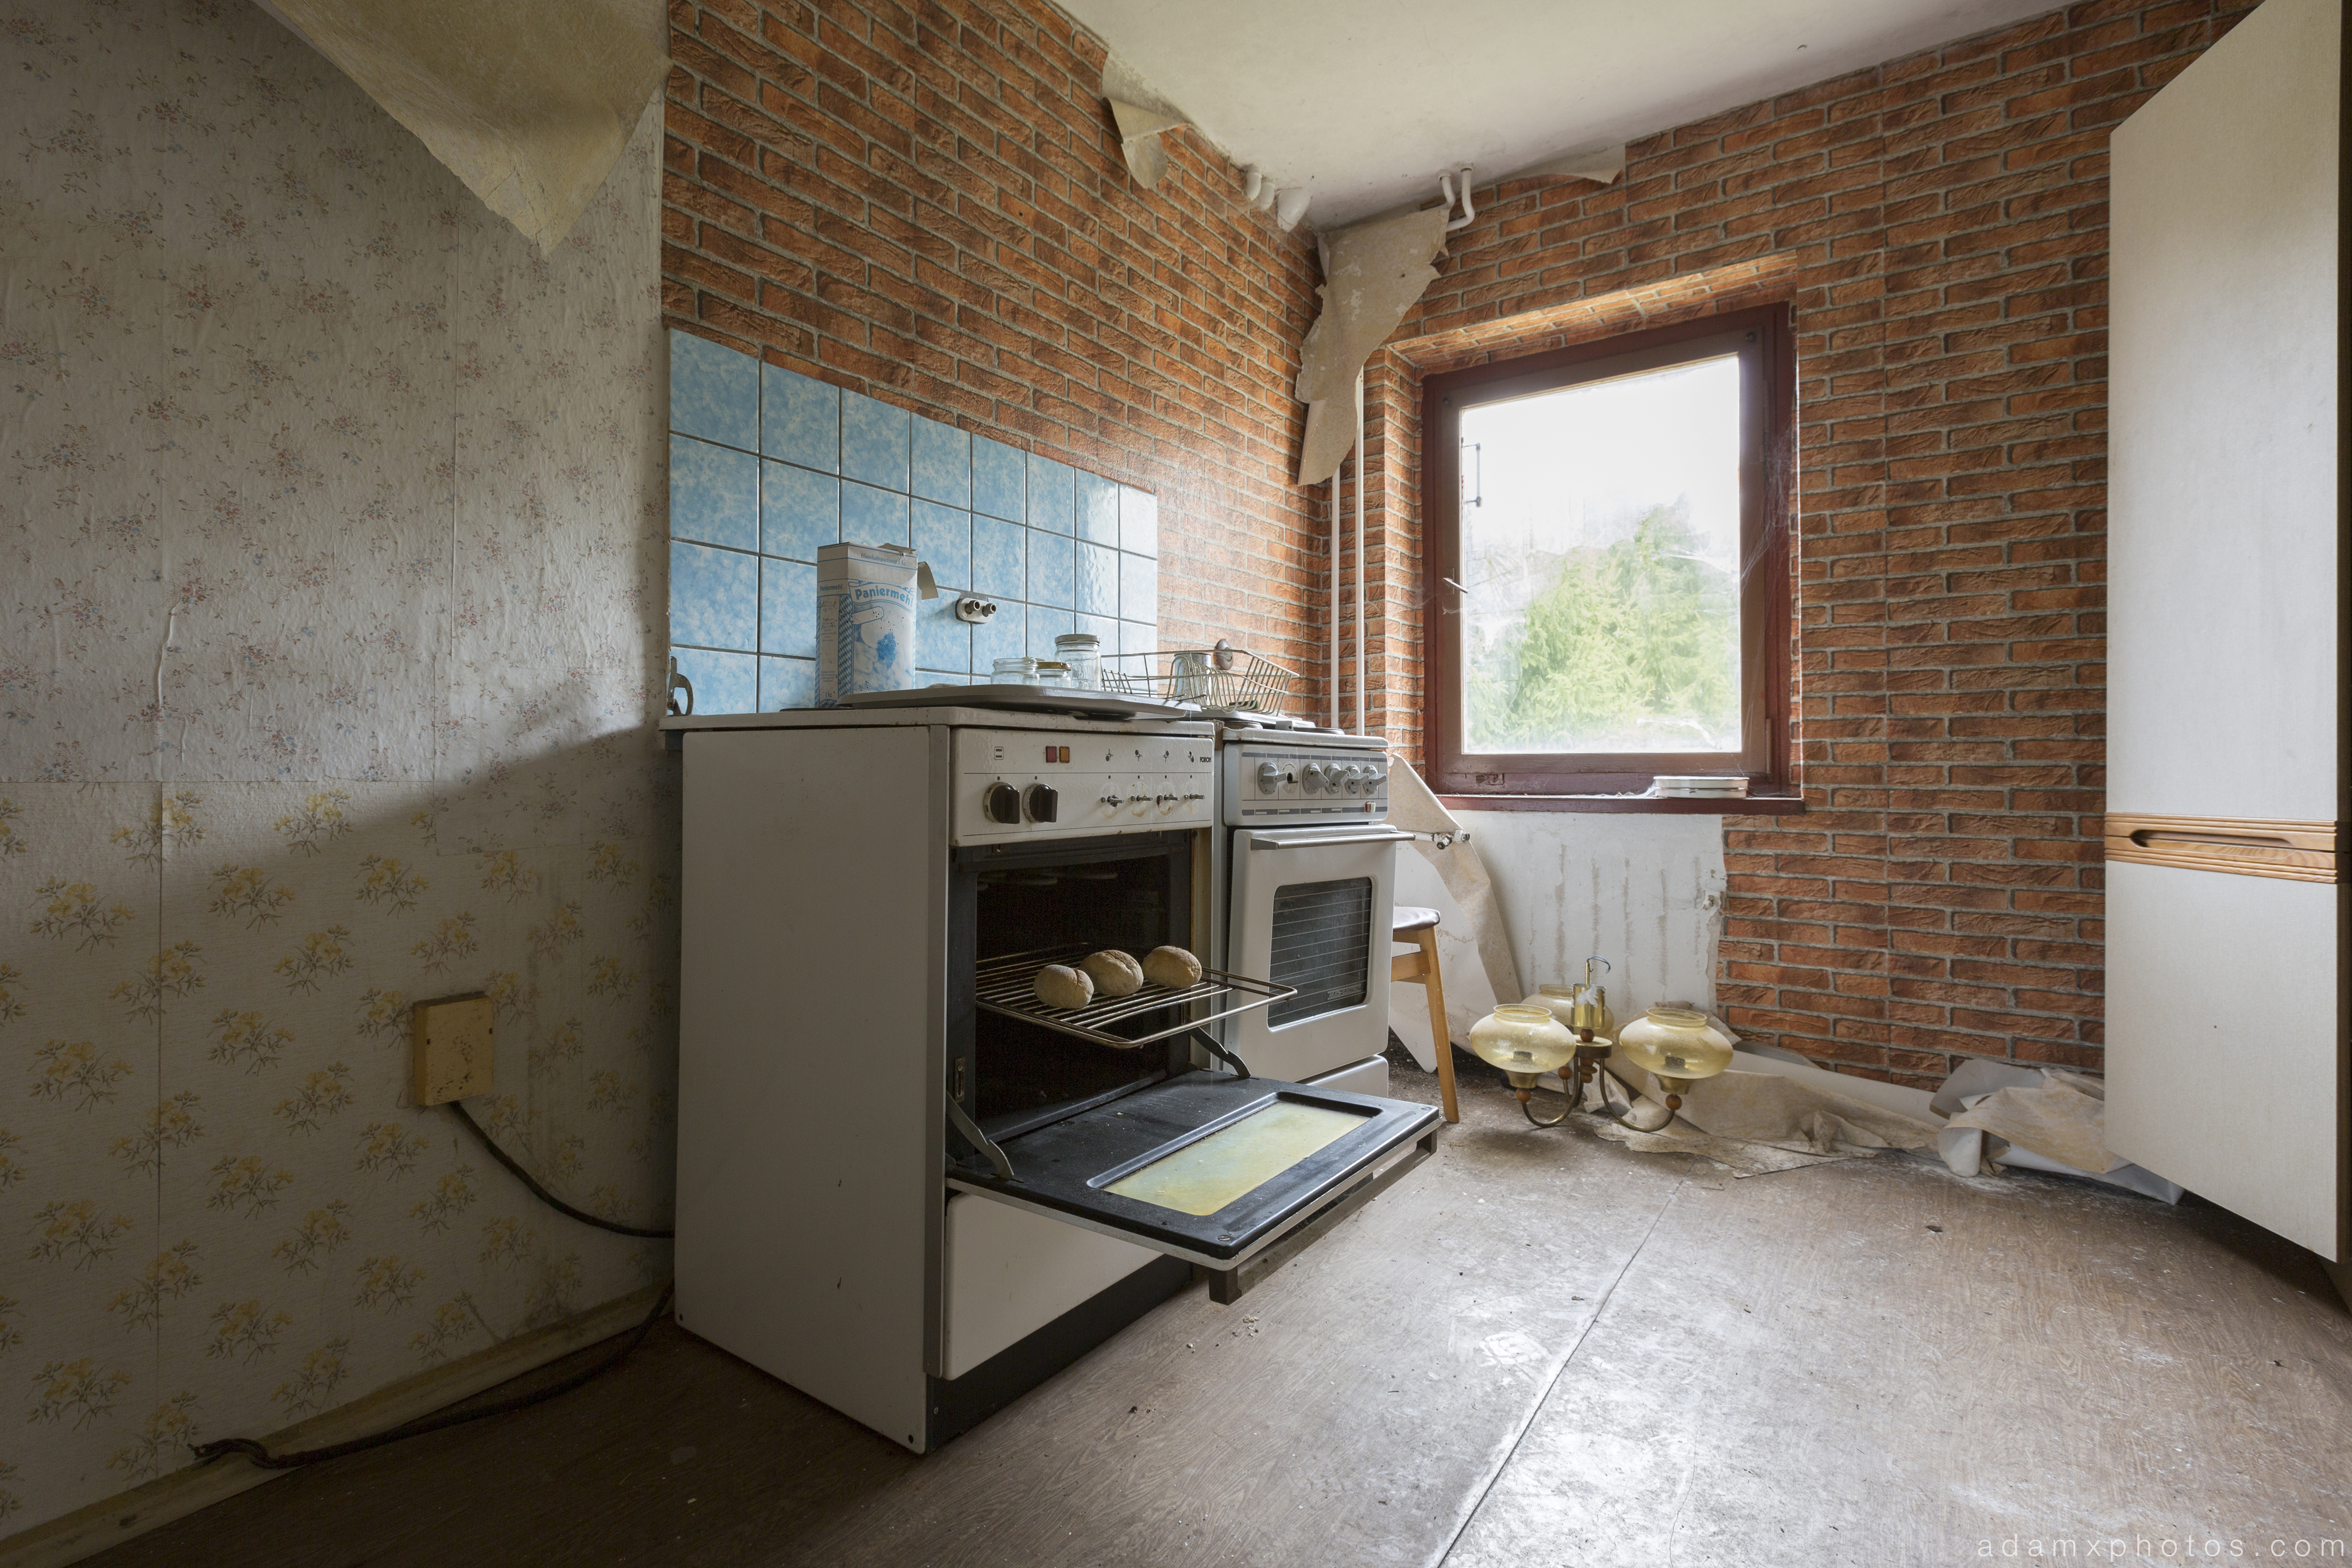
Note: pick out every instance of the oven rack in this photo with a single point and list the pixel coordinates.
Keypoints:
(1004, 986)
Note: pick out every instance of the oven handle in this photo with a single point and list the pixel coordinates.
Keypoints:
(1314, 838)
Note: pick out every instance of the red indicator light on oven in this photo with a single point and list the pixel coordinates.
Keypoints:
(1049, 754)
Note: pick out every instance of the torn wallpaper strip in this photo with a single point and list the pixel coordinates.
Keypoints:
(529, 103)
(1372, 274)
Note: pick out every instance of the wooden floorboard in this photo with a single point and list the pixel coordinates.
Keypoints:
(1790, 1367)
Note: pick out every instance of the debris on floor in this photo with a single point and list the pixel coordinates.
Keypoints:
(1986, 1116)
(2036, 1119)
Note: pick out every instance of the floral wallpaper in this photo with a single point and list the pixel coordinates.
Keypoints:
(330, 639)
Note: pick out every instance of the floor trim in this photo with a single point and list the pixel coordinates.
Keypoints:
(71, 1537)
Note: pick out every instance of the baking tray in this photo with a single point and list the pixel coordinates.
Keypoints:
(1023, 700)
(1003, 987)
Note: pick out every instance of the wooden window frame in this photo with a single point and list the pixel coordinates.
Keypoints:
(1763, 339)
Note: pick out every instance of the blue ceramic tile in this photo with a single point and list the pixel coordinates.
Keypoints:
(1139, 588)
(714, 597)
(943, 538)
(798, 511)
(998, 567)
(714, 391)
(1097, 585)
(1138, 520)
(1045, 625)
(788, 609)
(1049, 569)
(1000, 480)
(787, 683)
(872, 517)
(1002, 636)
(1049, 494)
(1105, 629)
(1097, 508)
(874, 437)
(1138, 637)
(942, 642)
(942, 462)
(723, 683)
(714, 494)
(799, 418)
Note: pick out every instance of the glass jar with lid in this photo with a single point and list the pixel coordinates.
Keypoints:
(1082, 652)
(1053, 672)
(1017, 669)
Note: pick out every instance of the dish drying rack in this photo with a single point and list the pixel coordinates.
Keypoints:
(1223, 679)
(1005, 986)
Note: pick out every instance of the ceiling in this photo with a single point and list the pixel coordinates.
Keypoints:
(1362, 102)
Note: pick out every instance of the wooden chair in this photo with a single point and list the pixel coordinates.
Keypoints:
(1418, 927)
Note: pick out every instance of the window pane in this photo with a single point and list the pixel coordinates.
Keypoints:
(1601, 553)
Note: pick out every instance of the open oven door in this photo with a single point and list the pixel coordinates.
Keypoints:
(1234, 1174)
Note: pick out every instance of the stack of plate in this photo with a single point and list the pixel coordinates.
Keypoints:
(1697, 787)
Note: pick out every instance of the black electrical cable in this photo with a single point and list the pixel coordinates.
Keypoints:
(454, 1416)
(458, 1413)
(545, 1196)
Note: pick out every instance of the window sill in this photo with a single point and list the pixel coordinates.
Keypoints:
(1744, 806)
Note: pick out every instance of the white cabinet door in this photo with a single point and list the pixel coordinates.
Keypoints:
(2223, 667)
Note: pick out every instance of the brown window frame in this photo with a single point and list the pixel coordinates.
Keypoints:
(1763, 339)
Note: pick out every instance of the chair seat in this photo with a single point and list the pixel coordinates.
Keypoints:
(1409, 919)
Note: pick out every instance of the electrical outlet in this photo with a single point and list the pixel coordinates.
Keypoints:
(453, 1048)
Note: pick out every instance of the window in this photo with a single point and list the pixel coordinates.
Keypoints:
(1608, 528)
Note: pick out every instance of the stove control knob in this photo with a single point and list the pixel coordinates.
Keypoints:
(1044, 802)
(1373, 779)
(1355, 780)
(1003, 804)
(1316, 778)
(1271, 778)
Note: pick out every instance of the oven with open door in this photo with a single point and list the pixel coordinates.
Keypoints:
(906, 1186)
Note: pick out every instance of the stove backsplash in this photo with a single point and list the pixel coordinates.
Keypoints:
(765, 464)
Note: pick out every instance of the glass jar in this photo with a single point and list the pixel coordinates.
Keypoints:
(1082, 651)
(1676, 1044)
(1526, 1042)
(1020, 670)
(1053, 672)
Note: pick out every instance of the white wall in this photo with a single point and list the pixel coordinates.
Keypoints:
(1643, 891)
(330, 643)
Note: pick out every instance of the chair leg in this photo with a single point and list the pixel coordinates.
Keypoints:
(1430, 983)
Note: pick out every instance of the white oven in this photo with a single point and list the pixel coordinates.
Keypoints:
(1310, 878)
(906, 1184)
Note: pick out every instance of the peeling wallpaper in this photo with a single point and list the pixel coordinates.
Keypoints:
(331, 638)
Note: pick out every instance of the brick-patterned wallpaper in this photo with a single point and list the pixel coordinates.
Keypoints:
(1939, 223)
(926, 204)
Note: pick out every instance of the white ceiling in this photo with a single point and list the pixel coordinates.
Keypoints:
(1361, 102)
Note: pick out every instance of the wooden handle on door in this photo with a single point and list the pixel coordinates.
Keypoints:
(2245, 846)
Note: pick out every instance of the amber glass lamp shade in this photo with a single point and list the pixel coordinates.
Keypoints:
(1524, 1042)
(1676, 1044)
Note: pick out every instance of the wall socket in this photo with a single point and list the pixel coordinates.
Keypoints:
(453, 1047)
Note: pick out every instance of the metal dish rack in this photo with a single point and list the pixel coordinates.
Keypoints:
(1006, 987)
(1223, 679)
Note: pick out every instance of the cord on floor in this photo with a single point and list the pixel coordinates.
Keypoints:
(453, 1415)
(457, 1414)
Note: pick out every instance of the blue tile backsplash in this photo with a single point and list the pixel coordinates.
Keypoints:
(767, 464)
